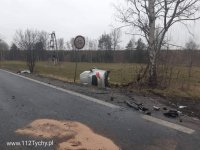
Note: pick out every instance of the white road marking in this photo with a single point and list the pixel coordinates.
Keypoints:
(149, 118)
(169, 124)
(66, 91)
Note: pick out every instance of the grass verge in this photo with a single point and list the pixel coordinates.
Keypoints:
(121, 74)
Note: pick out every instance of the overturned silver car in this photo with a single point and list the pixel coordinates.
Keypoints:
(95, 77)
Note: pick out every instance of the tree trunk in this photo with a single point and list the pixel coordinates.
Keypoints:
(31, 60)
(152, 49)
(152, 74)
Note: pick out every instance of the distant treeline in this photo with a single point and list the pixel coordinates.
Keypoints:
(106, 56)
(100, 56)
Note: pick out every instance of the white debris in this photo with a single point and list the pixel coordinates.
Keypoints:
(181, 107)
(24, 72)
(156, 108)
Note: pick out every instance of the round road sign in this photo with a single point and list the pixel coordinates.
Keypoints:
(79, 42)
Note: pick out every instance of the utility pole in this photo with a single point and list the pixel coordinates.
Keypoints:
(54, 47)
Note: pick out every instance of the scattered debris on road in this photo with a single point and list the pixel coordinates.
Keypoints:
(172, 114)
(182, 107)
(139, 107)
(164, 108)
(111, 98)
(109, 114)
(148, 113)
(121, 96)
(156, 108)
(131, 105)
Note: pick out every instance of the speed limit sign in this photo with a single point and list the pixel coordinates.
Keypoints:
(79, 42)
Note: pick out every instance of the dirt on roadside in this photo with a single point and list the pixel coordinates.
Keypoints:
(120, 95)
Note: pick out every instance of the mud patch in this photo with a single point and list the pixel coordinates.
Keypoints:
(68, 135)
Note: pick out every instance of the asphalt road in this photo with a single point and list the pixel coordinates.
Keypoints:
(23, 101)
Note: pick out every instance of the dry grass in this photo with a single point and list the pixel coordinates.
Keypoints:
(120, 73)
(180, 85)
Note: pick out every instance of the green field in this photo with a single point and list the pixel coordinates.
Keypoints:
(180, 84)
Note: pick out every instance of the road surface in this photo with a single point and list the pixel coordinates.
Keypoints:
(22, 101)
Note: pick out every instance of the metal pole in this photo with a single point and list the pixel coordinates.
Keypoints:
(76, 61)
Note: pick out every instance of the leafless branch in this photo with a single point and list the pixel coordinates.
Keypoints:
(154, 18)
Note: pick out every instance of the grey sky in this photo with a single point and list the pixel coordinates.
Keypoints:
(69, 18)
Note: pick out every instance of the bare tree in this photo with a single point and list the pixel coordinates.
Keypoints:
(61, 44)
(27, 40)
(105, 42)
(93, 45)
(44, 38)
(131, 44)
(3, 47)
(72, 44)
(90, 44)
(68, 45)
(153, 19)
(115, 35)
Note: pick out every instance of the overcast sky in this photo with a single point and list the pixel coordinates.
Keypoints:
(69, 18)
